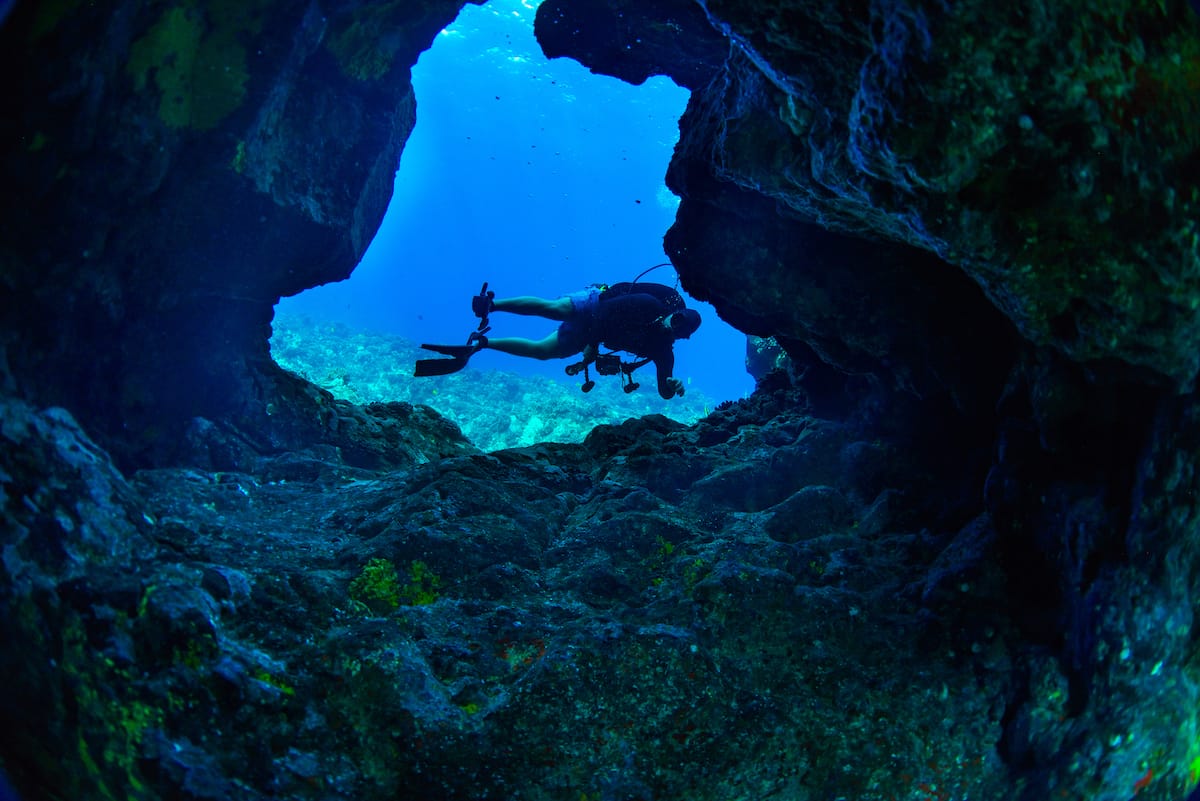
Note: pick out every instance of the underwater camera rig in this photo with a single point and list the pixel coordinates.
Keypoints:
(608, 364)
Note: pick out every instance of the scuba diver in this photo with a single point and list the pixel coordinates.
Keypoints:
(641, 318)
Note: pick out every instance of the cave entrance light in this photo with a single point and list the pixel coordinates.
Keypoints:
(533, 175)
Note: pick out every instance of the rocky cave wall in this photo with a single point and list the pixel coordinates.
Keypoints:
(1051, 159)
(909, 197)
(171, 171)
(992, 208)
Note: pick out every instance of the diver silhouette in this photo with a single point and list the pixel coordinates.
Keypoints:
(644, 319)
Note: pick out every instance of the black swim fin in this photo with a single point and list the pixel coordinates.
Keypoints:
(457, 351)
(428, 367)
(459, 355)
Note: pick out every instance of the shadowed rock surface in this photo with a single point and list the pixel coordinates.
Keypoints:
(947, 550)
(172, 170)
(645, 615)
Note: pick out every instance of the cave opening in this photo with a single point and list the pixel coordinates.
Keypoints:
(540, 178)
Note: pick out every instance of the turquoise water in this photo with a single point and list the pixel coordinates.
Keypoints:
(534, 175)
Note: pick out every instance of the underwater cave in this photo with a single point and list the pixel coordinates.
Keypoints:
(531, 174)
(945, 549)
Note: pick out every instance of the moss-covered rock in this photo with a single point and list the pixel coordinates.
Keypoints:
(195, 56)
(223, 117)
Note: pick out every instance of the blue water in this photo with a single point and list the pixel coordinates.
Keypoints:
(534, 175)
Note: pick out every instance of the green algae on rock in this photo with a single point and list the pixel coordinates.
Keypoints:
(195, 54)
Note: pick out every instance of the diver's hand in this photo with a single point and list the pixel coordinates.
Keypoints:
(676, 386)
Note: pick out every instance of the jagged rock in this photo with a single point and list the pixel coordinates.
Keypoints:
(172, 170)
(811, 511)
(634, 41)
(1031, 153)
(75, 542)
(567, 617)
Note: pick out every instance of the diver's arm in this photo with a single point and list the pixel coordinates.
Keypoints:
(668, 387)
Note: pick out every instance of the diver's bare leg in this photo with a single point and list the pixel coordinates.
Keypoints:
(558, 309)
(533, 348)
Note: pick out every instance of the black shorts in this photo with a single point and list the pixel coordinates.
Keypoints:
(579, 329)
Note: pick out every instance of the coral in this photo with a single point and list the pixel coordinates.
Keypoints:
(495, 409)
(423, 585)
(112, 723)
(274, 681)
(377, 586)
(764, 355)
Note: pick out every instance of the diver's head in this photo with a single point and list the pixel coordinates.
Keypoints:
(684, 323)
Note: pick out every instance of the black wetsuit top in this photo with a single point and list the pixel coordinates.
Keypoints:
(631, 319)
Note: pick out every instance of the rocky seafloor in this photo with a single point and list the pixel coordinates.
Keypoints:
(733, 609)
(764, 604)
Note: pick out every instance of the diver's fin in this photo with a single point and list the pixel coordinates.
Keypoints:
(459, 354)
(428, 367)
(457, 351)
